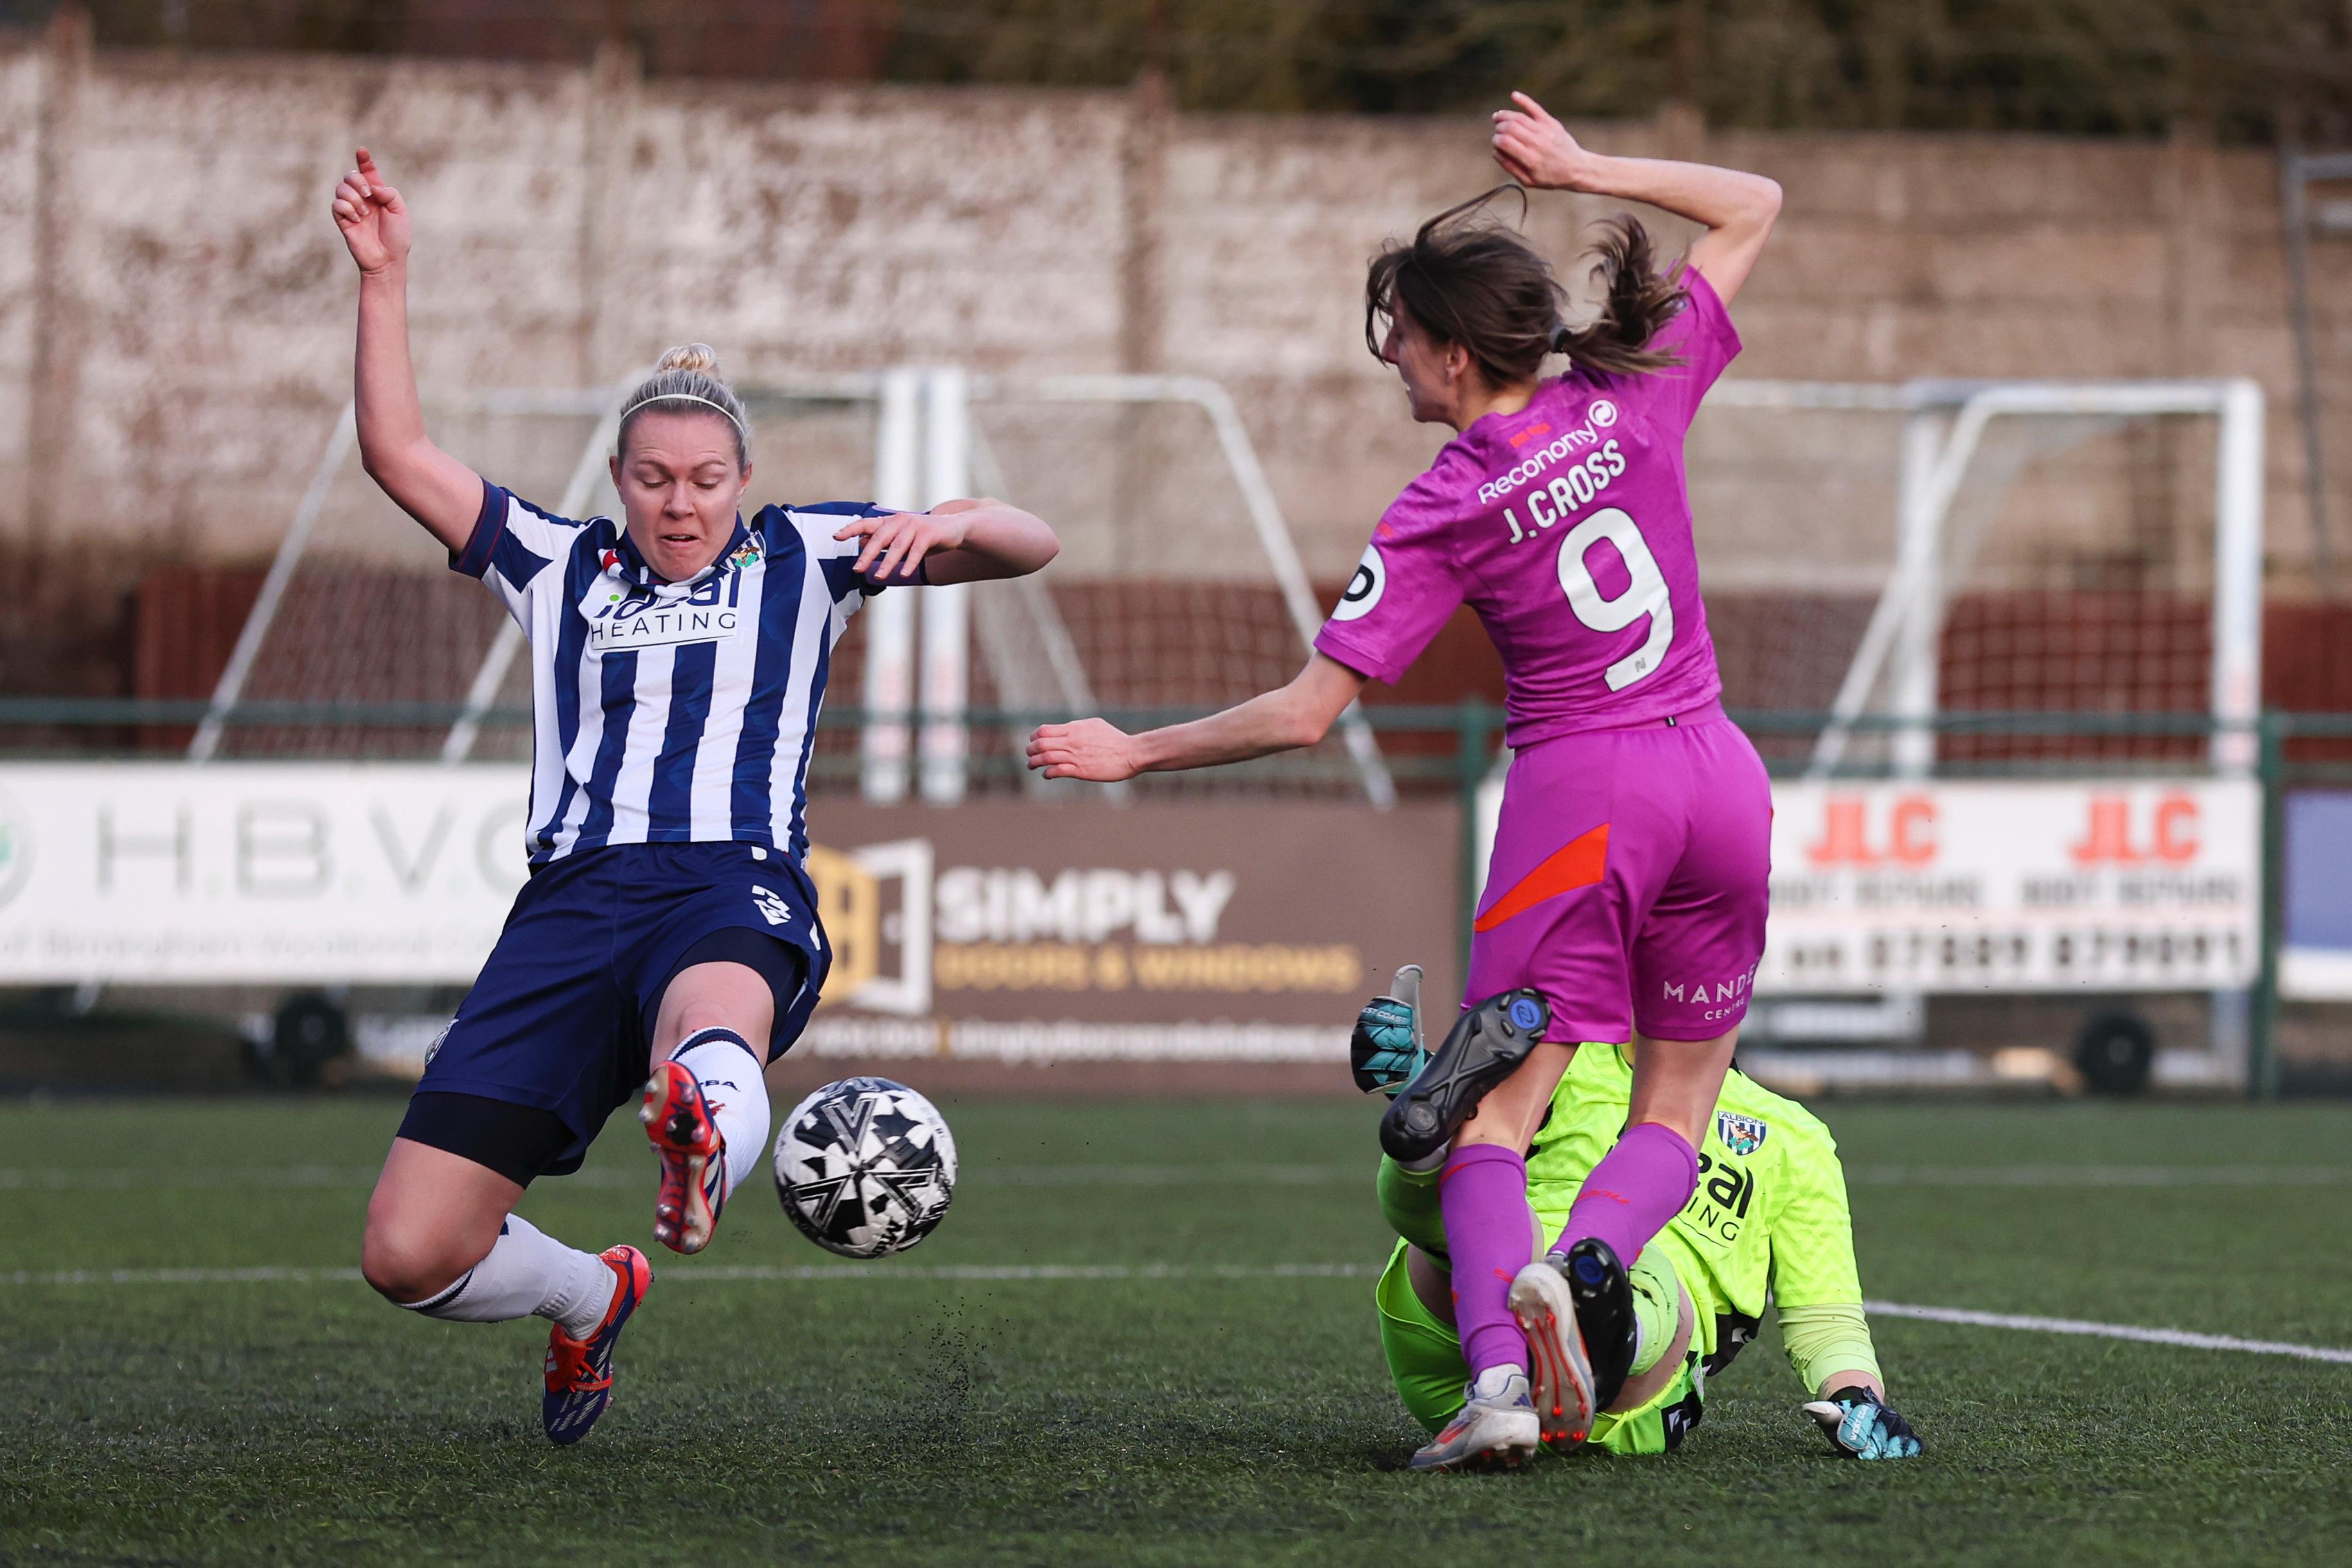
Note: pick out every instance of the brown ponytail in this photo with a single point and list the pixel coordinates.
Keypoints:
(1469, 280)
(1636, 300)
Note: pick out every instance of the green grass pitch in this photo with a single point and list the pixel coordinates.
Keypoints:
(1177, 1417)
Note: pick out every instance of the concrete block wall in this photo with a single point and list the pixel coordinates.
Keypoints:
(176, 306)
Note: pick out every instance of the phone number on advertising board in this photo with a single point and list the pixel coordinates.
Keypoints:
(1994, 955)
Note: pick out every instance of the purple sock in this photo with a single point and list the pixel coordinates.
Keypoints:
(1638, 1186)
(1483, 1197)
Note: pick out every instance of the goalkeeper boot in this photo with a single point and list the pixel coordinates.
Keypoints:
(1605, 1314)
(682, 1125)
(1562, 1389)
(580, 1371)
(1488, 1043)
(1495, 1430)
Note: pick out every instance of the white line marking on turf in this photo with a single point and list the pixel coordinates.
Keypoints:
(817, 1273)
(2181, 1337)
(877, 1273)
(2100, 1175)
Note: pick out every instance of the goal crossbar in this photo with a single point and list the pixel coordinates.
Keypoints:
(1946, 423)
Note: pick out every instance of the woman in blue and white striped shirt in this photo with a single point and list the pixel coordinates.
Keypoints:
(677, 663)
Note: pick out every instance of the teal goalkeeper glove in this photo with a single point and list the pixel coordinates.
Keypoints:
(1861, 1423)
(1385, 1050)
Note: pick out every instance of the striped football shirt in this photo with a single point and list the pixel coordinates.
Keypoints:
(670, 712)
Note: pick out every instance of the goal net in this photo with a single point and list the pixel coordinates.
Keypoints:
(2000, 643)
(357, 620)
(1883, 557)
(1178, 590)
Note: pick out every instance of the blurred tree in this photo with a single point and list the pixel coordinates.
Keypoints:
(2250, 70)
(790, 40)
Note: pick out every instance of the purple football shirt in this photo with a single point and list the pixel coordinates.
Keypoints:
(1567, 527)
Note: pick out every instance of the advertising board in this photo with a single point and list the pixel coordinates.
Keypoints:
(1018, 932)
(2042, 886)
(1002, 931)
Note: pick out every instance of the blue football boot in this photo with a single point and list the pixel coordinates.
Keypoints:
(580, 1371)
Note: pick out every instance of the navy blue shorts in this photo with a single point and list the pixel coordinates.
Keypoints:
(560, 1020)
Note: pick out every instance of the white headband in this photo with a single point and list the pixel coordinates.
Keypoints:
(685, 397)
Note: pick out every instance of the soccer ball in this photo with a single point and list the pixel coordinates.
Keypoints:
(866, 1168)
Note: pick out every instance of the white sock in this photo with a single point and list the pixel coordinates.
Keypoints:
(528, 1273)
(1496, 1381)
(728, 1070)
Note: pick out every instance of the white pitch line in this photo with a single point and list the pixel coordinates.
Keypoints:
(2100, 1175)
(812, 1272)
(2180, 1337)
(816, 1273)
(1036, 1272)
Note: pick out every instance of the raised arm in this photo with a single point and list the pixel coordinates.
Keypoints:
(1737, 209)
(1296, 716)
(962, 541)
(424, 481)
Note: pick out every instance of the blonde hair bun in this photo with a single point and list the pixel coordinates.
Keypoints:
(686, 380)
(699, 357)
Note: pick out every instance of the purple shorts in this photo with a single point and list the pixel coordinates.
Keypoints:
(1629, 880)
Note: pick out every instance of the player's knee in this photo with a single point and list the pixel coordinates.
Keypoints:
(406, 1264)
(731, 997)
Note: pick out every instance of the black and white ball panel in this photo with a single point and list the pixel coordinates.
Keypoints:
(866, 1166)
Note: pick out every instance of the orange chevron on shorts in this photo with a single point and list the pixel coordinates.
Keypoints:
(1576, 863)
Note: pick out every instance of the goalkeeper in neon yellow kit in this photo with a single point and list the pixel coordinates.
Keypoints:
(1768, 1222)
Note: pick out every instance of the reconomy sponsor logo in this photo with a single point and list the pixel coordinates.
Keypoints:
(1599, 416)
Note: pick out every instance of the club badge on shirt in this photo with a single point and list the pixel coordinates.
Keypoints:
(1740, 1135)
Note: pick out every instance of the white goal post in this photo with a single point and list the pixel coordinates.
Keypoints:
(1938, 483)
(926, 444)
(1945, 423)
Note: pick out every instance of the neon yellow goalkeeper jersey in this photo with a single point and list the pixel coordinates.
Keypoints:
(1770, 1216)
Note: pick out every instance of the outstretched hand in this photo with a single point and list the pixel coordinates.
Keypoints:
(1536, 150)
(1859, 1422)
(1084, 748)
(897, 541)
(372, 217)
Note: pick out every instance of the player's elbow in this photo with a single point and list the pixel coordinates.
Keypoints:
(1303, 725)
(1037, 541)
(1764, 203)
(395, 466)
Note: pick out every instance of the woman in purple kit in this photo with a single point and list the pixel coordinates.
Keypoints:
(1625, 898)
